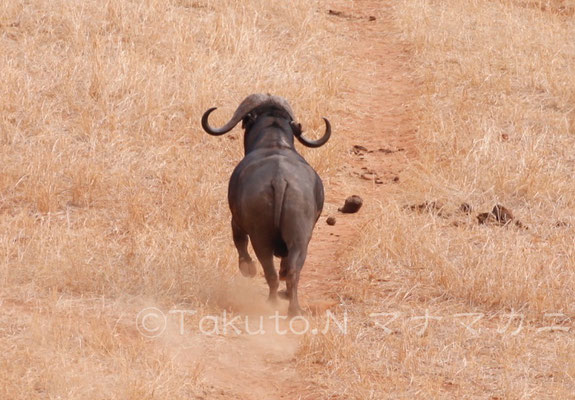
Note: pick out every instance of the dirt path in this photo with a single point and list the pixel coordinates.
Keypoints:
(382, 136)
(263, 366)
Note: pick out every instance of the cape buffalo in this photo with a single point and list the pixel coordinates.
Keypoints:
(274, 195)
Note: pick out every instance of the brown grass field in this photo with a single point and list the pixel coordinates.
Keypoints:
(113, 199)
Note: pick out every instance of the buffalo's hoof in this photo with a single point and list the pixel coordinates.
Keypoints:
(248, 268)
(294, 312)
(273, 300)
(283, 294)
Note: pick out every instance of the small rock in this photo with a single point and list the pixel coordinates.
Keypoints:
(372, 18)
(339, 14)
(330, 221)
(395, 179)
(386, 151)
(352, 205)
(392, 150)
(357, 149)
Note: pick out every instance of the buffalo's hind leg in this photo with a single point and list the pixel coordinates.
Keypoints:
(246, 264)
(284, 268)
(266, 258)
(271, 278)
(292, 265)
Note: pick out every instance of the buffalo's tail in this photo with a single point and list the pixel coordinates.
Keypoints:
(279, 187)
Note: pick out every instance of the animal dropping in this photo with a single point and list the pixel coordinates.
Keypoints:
(274, 195)
(501, 216)
(352, 205)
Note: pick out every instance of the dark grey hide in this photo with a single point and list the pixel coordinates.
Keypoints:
(275, 196)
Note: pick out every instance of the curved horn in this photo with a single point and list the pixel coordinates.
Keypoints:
(249, 104)
(217, 131)
(314, 143)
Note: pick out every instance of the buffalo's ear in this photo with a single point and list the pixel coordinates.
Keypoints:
(296, 127)
(248, 120)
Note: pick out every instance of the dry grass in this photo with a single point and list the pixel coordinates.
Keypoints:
(106, 173)
(111, 195)
(496, 125)
(112, 199)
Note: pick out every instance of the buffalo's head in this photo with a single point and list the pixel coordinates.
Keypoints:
(247, 111)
